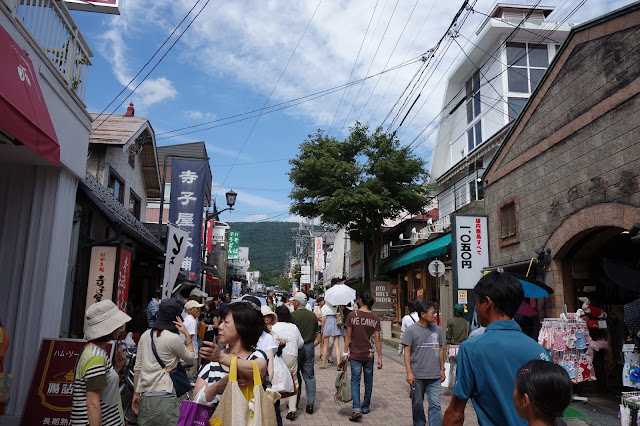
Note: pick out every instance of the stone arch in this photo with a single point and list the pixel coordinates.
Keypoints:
(604, 215)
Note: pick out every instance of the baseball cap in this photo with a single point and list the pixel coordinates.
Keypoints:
(192, 304)
(300, 297)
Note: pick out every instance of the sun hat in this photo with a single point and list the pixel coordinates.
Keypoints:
(168, 310)
(300, 297)
(266, 310)
(192, 304)
(103, 318)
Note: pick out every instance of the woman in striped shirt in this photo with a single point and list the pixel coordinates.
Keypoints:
(240, 328)
(96, 396)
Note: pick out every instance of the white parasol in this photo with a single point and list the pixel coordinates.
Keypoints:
(340, 294)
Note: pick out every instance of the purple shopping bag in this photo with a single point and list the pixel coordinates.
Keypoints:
(194, 414)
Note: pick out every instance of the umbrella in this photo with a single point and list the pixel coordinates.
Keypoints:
(263, 300)
(340, 294)
(526, 310)
(622, 273)
(533, 289)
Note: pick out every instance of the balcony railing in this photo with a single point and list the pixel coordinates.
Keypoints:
(53, 29)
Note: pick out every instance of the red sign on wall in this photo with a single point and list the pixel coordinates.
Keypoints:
(51, 393)
(124, 274)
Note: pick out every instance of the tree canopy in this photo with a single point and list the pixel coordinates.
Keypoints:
(358, 183)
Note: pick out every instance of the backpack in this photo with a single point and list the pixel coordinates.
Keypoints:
(343, 385)
(340, 317)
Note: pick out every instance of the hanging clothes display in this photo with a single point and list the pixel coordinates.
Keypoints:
(568, 342)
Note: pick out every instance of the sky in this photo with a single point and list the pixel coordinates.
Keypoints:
(243, 56)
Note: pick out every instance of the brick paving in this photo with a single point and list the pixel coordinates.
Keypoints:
(390, 403)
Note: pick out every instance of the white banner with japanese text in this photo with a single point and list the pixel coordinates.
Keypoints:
(176, 250)
(102, 270)
(471, 253)
(318, 255)
(185, 209)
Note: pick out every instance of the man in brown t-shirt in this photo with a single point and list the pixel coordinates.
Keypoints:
(361, 325)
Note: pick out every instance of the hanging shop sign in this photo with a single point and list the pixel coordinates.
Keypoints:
(185, 208)
(50, 396)
(463, 298)
(176, 250)
(470, 249)
(102, 269)
(96, 6)
(318, 255)
(305, 279)
(124, 275)
(233, 251)
(305, 269)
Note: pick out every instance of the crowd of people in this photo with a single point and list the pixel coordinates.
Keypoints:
(507, 375)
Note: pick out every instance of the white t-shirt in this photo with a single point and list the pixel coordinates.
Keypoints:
(289, 332)
(409, 320)
(191, 325)
(329, 309)
(266, 342)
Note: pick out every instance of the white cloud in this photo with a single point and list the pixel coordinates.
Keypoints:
(250, 41)
(226, 152)
(199, 115)
(153, 91)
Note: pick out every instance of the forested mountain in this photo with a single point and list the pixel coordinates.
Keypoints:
(268, 244)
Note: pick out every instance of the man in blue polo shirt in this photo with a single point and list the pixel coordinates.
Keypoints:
(488, 364)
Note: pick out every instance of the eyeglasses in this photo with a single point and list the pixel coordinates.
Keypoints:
(430, 313)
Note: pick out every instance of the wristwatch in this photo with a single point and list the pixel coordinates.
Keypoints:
(443, 369)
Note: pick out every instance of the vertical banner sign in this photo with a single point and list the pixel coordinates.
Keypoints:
(176, 249)
(318, 257)
(124, 275)
(185, 208)
(471, 249)
(233, 251)
(102, 271)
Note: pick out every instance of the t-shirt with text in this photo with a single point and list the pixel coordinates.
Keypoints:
(425, 345)
(363, 325)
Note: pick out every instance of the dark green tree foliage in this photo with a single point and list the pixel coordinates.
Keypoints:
(357, 184)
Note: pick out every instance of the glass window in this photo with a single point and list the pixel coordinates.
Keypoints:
(473, 97)
(536, 76)
(538, 56)
(134, 204)
(470, 140)
(116, 187)
(515, 107)
(478, 133)
(516, 54)
(508, 220)
(518, 80)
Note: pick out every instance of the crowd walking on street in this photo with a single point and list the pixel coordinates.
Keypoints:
(507, 375)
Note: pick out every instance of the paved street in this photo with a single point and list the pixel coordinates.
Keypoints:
(390, 404)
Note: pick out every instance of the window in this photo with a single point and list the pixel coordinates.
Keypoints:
(526, 64)
(508, 222)
(116, 186)
(134, 204)
(476, 191)
(473, 97)
(515, 107)
(474, 135)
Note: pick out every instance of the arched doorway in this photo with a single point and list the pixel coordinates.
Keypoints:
(584, 248)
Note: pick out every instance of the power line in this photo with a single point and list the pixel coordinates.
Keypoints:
(287, 104)
(150, 59)
(269, 97)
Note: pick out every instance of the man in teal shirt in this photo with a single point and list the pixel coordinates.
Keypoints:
(488, 364)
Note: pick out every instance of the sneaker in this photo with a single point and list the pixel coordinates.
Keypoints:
(291, 415)
(310, 409)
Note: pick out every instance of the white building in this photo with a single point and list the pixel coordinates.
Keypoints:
(486, 90)
(44, 135)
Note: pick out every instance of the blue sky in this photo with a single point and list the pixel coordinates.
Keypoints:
(229, 60)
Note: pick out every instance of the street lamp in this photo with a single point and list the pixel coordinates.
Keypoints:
(231, 201)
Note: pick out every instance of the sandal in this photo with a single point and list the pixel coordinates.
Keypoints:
(330, 361)
(355, 416)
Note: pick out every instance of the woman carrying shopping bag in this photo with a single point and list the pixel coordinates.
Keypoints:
(240, 328)
(155, 400)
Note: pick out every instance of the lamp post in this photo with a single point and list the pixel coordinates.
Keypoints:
(231, 201)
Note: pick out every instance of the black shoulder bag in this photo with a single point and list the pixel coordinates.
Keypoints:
(178, 375)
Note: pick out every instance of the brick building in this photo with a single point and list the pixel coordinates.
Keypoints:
(566, 176)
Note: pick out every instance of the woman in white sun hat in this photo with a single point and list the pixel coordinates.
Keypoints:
(96, 396)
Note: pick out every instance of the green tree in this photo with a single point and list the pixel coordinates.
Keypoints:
(357, 184)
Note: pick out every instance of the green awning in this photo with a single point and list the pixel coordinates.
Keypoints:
(425, 251)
